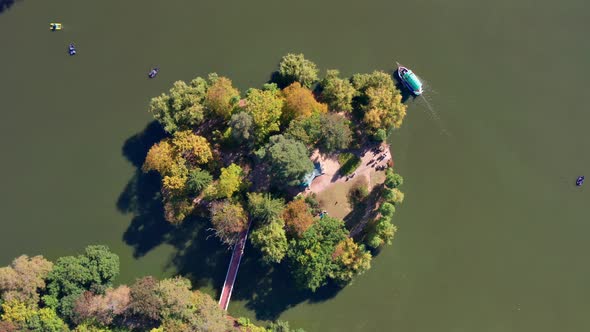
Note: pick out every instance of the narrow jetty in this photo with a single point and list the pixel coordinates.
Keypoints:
(232, 270)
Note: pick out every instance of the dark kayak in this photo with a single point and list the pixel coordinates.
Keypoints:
(580, 181)
(72, 49)
(153, 72)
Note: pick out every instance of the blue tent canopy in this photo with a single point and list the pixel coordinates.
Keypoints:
(317, 171)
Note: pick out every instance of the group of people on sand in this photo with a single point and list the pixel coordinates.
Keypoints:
(380, 155)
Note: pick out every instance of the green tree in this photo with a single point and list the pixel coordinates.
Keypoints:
(182, 107)
(72, 275)
(310, 256)
(359, 191)
(264, 208)
(380, 135)
(336, 133)
(337, 92)
(387, 209)
(392, 179)
(300, 103)
(198, 180)
(380, 101)
(271, 240)
(242, 127)
(265, 107)
(383, 232)
(307, 130)
(394, 195)
(295, 68)
(24, 279)
(229, 220)
(289, 161)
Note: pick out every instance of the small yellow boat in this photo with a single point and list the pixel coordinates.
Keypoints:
(55, 26)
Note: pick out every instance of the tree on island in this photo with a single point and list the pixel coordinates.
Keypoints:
(198, 180)
(271, 240)
(326, 252)
(335, 133)
(229, 182)
(242, 128)
(288, 160)
(182, 107)
(267, 138)
(300, 103)
(265, 108)
(229, 220)
(262, 207)
(221, 97)
(381, 102)
(298, 218)
(337, 92)
(306, 130)
(295, 68)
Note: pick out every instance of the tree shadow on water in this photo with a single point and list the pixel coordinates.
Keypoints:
(6, 4)
(199, 256)
(270, 290)
(141, 197)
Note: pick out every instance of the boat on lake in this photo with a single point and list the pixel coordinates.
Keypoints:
(580, 181)
(55, 26)
(409, 79)
(153, 72)
(72, 49)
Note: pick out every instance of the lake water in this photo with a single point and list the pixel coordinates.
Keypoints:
(493, 233)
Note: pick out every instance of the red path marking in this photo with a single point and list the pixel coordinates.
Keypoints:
(232, 270)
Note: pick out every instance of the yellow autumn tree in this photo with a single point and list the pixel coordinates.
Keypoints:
(384, 109)
(351, 259)
(221, 96)
(192, 147)
(159, 158)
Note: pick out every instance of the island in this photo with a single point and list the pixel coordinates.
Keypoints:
(300, 167)
(301, 164)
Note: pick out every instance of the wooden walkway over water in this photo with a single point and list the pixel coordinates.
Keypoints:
(232, 270)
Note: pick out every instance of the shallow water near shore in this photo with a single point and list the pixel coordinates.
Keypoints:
(492, 233)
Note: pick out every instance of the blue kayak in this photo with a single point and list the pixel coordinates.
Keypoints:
(580, 181)
(72, 49)
(153, 72)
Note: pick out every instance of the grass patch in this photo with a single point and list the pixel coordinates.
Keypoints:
(358, 192)
(348, 163)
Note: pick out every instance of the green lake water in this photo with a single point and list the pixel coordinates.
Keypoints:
(493, 233)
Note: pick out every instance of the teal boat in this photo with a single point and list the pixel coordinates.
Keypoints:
(409, 79)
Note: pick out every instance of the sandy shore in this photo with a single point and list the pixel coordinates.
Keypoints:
(331, 166)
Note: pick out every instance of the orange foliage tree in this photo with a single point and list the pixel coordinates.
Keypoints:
(297, 217)
(300, 103)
